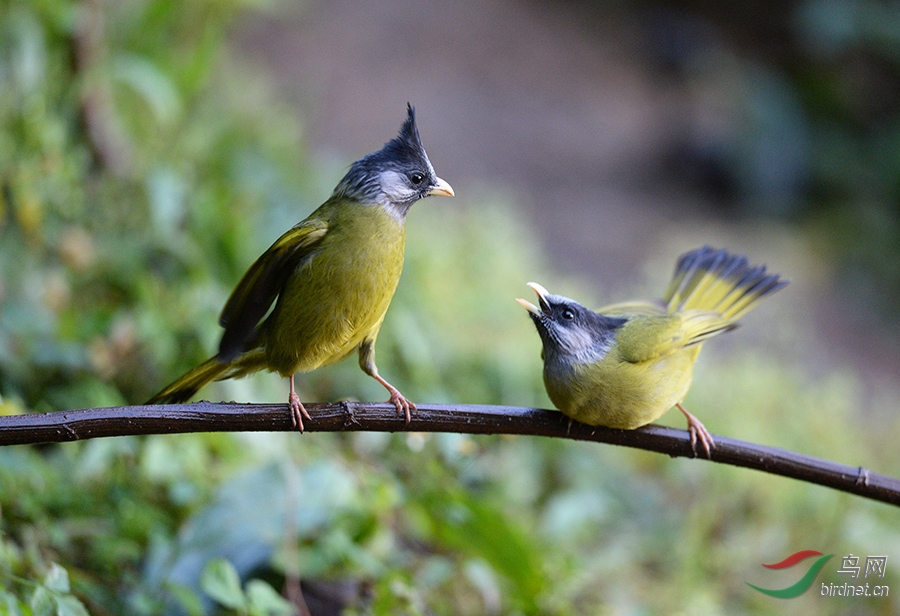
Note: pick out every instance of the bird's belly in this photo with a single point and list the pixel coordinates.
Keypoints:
(625, 395)
(322, 318)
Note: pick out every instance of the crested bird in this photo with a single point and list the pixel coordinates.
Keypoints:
(331, 278)
(626, 364)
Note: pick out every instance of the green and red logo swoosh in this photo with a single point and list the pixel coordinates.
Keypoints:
(803, 584)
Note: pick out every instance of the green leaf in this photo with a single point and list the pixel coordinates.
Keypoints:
(67, 605)
(167, 192)
(57, 579)
(42, 603)
(9, 605)
(153, 85)
(28, 59)
(221, 582)
(189, 601)
(480, 528)
(265, 600)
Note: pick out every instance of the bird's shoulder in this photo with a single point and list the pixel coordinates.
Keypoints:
(649, 332)
(303, 235)
(263, 281)
(274, 265)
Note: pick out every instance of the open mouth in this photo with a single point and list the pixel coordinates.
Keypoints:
(542, 294)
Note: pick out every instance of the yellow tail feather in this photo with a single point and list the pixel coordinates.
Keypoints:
(184, 388)
(717, 281)
(213, 369)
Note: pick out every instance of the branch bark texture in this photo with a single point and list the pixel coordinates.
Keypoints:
(63, 426)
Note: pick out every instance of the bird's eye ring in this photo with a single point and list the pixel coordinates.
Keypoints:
(416, 178)
(568, 315)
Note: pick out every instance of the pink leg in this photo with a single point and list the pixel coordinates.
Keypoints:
(367, 363)
(297, 410)
(397, 399)
(698, 432)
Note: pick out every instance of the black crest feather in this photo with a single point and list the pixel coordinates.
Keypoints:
(402, 154)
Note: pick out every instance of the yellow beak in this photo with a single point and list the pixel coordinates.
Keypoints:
(441, 189)
(541, 293)
(528, 306)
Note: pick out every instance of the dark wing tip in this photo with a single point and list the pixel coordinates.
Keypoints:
(233, 342)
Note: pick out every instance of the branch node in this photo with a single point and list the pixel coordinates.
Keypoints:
(350, 420)
(862, 477)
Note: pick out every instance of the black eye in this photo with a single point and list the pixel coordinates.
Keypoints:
(567, 314)
(416, 178)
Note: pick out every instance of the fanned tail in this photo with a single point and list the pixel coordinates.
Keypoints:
(718, 281)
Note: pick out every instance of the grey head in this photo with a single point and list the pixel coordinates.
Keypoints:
(571, 333)
(397, 175)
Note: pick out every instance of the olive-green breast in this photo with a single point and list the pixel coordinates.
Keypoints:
(621, 394)
(339, 297)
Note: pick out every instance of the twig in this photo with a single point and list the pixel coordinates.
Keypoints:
(65, 426)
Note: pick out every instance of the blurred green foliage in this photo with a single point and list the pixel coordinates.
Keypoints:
(141, 169)
(804, 124)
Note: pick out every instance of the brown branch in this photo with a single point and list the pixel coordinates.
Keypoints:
(65, 426)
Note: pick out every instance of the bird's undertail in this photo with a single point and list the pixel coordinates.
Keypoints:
(717, 281)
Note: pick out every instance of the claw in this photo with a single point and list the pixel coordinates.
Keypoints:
(397, 399)
(698, 432)
(298, 412)
(403, 405)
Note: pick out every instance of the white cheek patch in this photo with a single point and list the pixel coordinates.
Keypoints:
(581, 345)
(576, 341)
(395, 186)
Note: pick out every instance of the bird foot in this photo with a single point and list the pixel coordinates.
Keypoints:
(397, 399)
(298, 412)
(403, 405)
(698, 432)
